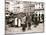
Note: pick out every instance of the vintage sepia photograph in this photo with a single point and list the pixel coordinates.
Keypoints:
(24, 16)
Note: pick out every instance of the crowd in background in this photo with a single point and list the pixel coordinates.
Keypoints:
(27, 20)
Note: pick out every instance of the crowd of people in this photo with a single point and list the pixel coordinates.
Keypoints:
(29, 20)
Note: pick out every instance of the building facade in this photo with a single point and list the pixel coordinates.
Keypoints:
(24, 7)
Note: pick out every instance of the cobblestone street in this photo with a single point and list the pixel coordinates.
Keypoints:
(39, 28)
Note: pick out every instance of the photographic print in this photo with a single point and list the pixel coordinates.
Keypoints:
(24, 16)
